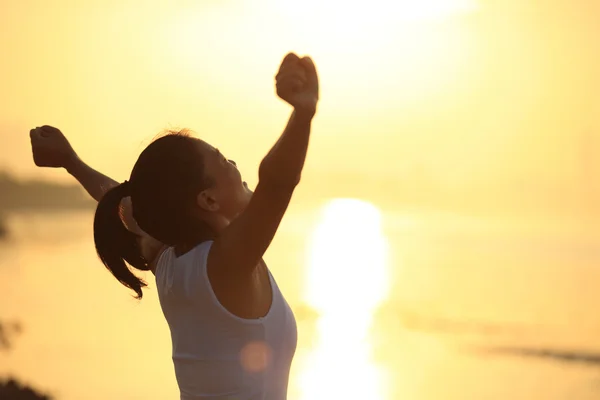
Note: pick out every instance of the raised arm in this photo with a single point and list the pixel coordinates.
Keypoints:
(240, 247)
(52, 149)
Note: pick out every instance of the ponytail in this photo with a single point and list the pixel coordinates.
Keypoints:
(115, 244)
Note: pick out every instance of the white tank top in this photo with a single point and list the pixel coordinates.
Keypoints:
(218, 355)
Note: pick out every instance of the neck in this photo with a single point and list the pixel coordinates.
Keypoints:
(210, 228)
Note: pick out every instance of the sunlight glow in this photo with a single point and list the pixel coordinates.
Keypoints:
(347, 280)
(352, 23)
(386, 51)
(352, 12)
(433, 9)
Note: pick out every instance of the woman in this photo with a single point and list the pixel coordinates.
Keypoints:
(186, 215)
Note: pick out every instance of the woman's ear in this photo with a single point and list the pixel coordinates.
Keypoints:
(207, 201)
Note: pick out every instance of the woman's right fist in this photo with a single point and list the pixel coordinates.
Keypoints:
(297, 83)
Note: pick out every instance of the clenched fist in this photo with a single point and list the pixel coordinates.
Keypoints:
(297, 83)
(51, 148)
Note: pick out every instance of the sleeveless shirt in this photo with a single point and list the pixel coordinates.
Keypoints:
(216, 354)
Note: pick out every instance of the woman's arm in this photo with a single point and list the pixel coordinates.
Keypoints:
(240, 247)
(52, 149)
(97, 184)
(94, 182)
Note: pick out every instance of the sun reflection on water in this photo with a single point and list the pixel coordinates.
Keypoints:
(347, 278)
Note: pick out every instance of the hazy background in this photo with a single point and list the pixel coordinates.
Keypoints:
(470, 126)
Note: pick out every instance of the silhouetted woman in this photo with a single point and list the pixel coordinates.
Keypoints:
(186, 215)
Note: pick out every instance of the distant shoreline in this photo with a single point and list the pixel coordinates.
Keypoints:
(18, 195)
(22, 195)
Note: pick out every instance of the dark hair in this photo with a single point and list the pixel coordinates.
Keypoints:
(163, 186)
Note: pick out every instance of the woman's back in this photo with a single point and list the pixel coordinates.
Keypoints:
(216, 354)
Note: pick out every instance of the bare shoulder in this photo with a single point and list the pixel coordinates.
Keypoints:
(151, 249)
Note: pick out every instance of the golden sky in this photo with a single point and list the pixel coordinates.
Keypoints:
(461, 91)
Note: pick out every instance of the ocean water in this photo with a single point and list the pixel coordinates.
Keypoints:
(390, 305)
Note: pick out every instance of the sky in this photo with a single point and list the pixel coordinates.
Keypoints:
(468, 94)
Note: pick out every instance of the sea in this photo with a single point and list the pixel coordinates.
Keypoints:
(390, 305)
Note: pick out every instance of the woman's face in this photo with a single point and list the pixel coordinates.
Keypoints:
(229, 194)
